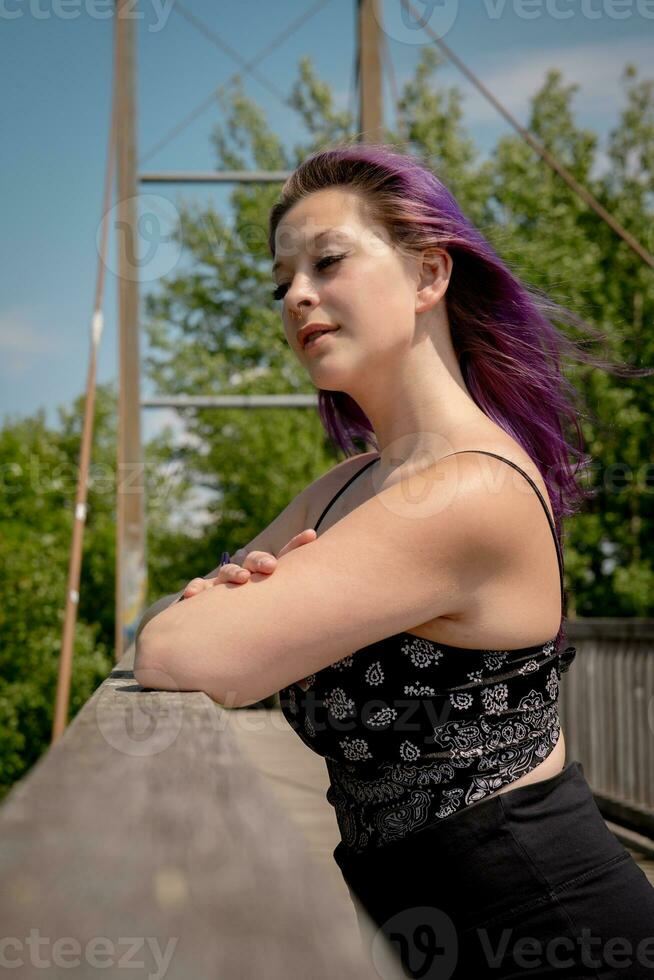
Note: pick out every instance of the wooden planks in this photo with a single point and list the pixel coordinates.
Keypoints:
(297, 778)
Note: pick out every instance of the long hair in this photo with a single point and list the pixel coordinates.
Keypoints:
(502, 329)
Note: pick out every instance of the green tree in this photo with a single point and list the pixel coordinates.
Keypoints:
(556, 242)
(37, 499)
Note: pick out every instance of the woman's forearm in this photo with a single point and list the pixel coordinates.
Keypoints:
(151, 612)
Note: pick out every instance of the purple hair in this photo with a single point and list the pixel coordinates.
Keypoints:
(502, 329)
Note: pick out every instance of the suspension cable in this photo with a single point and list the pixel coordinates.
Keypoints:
(247, 67)
(536, 145)
(97, 323)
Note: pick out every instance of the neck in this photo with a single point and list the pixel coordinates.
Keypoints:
(421, 410)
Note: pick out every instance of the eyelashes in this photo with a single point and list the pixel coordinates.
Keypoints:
(322, 263)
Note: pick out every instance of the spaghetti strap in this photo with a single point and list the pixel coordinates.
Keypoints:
(542, 500)
(344, 487)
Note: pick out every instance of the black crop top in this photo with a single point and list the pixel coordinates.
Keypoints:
(413, 730)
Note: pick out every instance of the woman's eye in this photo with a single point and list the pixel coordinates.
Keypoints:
(327, 260)
(322, 263)
(280, 292)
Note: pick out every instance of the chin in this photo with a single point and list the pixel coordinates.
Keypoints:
(330, 379)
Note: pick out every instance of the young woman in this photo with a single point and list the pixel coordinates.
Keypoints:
(459, 819)
(426, 617)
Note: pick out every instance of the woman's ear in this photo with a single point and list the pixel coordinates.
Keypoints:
(434, 278)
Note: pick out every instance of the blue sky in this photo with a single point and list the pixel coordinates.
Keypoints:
(55, 75)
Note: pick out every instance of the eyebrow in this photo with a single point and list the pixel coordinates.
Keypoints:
(314, 239)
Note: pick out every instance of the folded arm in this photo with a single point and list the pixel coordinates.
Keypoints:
(413, 552)
(149, 614)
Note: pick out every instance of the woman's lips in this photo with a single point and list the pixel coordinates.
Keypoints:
(316, 339)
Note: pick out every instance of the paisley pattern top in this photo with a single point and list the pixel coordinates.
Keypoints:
(413, 731)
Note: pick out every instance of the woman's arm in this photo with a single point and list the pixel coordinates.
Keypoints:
(272, 539)
(290, 522)
(151, 612)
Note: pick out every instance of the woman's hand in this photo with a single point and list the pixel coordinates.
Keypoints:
(254, 561)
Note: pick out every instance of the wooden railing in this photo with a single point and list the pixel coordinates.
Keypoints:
(145, 836)
(607, 715)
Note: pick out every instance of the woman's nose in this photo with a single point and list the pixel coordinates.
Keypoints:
(299, 310)
(301, 295)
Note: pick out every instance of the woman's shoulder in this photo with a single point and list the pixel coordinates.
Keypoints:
(479, 452)
(343, 469)
(320, 492)
(504, 477)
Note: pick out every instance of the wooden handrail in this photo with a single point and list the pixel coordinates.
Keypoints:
(145, 834)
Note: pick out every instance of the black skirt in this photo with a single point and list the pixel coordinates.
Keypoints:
(527, 883)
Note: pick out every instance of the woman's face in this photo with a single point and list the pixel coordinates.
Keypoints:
(351, 277)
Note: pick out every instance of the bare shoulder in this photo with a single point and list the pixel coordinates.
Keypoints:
(321, 491)
(502, 479)
(499, 506)
(333, 478)
(298, 514)
(464, 471)
(483, 490)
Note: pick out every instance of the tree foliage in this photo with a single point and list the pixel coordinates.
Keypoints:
(37, 501)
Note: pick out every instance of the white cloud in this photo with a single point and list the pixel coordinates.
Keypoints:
(596, 67)
(601, 163)
(22, 341)
(154, 420)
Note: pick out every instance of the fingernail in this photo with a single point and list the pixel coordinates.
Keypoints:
(267, 562)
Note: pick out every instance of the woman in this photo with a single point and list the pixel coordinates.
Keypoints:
(466, 840)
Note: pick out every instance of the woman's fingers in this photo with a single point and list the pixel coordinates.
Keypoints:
(231, 573)
(255, 561)
(260, 561)
(304, 537)
(225, 573)
(196, 585)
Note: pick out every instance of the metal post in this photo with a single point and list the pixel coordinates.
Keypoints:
(131, 570)
(370, 72)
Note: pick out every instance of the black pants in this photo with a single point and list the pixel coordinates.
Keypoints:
(528, 883)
